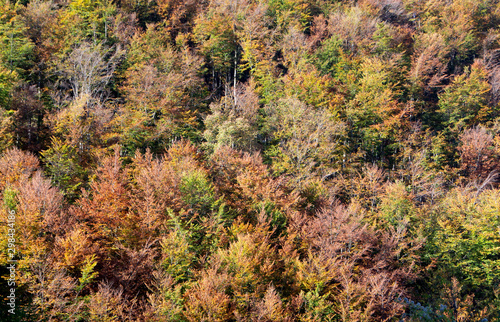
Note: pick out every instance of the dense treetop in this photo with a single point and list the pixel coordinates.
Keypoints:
(251, 160)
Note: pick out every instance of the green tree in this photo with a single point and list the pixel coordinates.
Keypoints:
(62, 166)
(464, 243)
(233, 121)
(306, 141)
(88, 20)
(16, 49)
(375, 115)
(465, 101)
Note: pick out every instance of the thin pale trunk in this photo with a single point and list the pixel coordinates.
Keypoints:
(234, 77)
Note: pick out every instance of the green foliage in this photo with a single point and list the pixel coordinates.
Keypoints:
(228, 130)
(177, 256)
(277, 219)
(248, 261)
(396, 206)
(151, 45)
(63, 167)
(90, 20)
(307, 140)
(465, 102)
(10, 198)
(162, 92)
(455, 22)
(233, 121)
(318, 307)
(290, 12)
(7, 82)
(465, 241)
(342, 164)
(327, 57)
(218, 41)
(166, 299)
(375, 100)
(374, 112)
(88, 273)
(197, 191)
(383, 38)
(16, 49)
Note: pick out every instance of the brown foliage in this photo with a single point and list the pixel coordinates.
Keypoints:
(347, 26)
(479, 155)
(178, 13)
(41, 205)
(428, 67)
(41, 22)
(362, 267)
(16, 166)
(270, 308)
(71, 249)
(104, 208)
(53, 290)
(152, 193)
(245, 181)
(207, 299)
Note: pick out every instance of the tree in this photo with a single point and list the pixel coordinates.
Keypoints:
(104, 207)
(346, 26)
(39, 17)
(35, 209)
(163, 92)
(8, 80)
(455, 23)
(31, 129)
(87, 70)
(233, 121)
(465, 101)
(249, 189)
(478, 154)
(15, 48)
(88, 21)
(428, 63)
(179, 15)
(219, 44)
(463, 244)
(307, 139)
(41, 21)
(62, 166)
(356, 271)
(207, 300)
(15, 166)
(375, 116)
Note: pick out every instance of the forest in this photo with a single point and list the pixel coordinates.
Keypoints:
(250, 160)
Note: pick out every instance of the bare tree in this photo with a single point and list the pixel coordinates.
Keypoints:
(88, 69)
